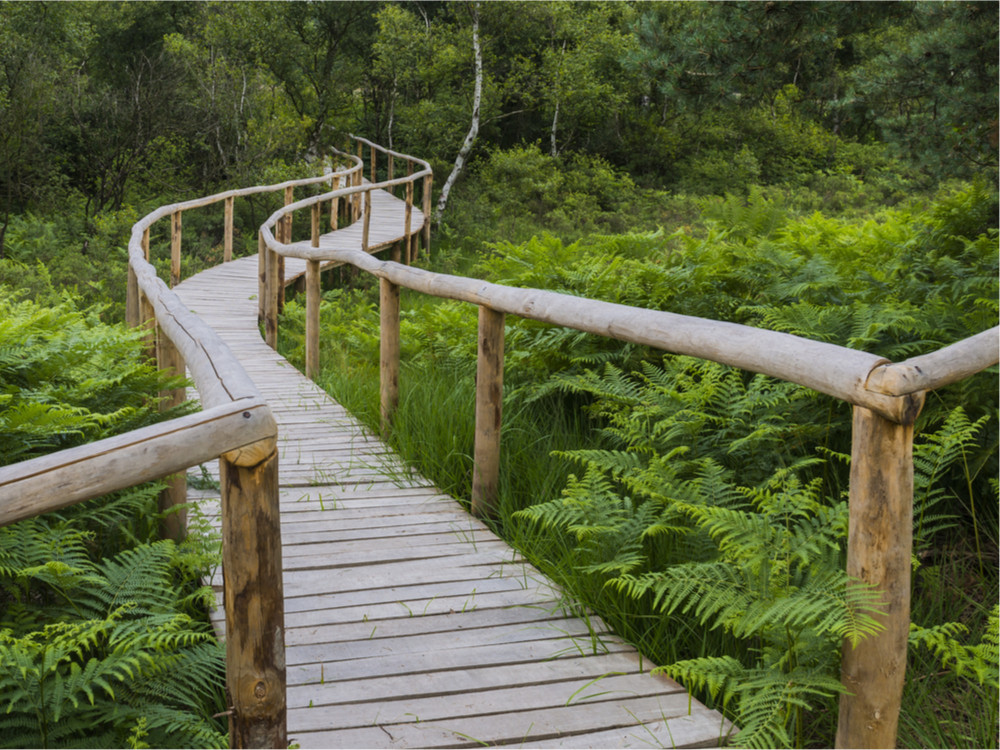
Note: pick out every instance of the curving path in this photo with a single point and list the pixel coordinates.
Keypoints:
(408, 623)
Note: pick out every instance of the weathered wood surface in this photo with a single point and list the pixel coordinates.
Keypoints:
(407, 622)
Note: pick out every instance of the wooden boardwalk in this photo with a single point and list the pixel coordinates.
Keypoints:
(408, 623)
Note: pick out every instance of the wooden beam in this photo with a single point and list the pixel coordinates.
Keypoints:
(879, 547)
(262, 253)
(388, 353)
(489, 402)
(254, 602)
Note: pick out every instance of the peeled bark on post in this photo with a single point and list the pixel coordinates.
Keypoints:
(489, 401)
(227, 241)
(173, 525)
(470, 137)
(312, 318)
(254, 601)
(145, 243)
(175, 249)
(388, 352)
(879, 546)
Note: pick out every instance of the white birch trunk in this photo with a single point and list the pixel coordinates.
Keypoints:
(470, 137)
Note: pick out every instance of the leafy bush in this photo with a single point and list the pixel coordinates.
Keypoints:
(103, 634)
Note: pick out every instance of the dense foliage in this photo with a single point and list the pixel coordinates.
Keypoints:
(825, 168)
(103, 636)
(701, 494)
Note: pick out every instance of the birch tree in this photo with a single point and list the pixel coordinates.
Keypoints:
(470, 138)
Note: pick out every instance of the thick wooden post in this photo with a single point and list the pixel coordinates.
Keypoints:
(368, 220)
(312, 317)
(132, 299)
(174, 525)
(145, 243)
(388, 352)
(489, 400)
(388, 176)
(372, 170)
(254, 601)
(271, 301)
(175, 248)
(880, 541)
(227, 241)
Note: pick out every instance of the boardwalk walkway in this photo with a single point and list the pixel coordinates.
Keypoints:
(408, 623)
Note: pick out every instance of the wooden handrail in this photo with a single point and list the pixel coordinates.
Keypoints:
(58, 480)
(887, 399)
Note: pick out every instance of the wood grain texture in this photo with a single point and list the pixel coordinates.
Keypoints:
(879, 548)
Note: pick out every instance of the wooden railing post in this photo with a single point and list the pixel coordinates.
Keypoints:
(145, 243)
(334, 203)
(227, 241)
(368, 220)
(175, 249)
(428, 183)
(489, 400)
(314, 225)
(174, 524)
(262, 252)
(372, 169)
(389, 170)
(880, 540)
(273, 281)
(312, 317)
(285, 238)
(254, 601)
(132, 299)
(388, 352)
(147, 320)
(411, 254)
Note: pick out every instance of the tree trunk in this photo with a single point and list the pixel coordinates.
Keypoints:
(470, 137)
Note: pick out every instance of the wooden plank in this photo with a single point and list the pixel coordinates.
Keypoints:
(472, 679)
(506, 714)
(565, 636)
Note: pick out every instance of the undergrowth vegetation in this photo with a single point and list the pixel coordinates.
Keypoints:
(703, 510)
(104, 640)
